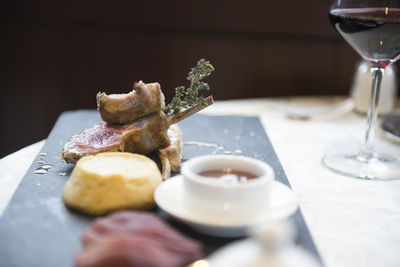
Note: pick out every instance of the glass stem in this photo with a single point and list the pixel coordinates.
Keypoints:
(368, 150)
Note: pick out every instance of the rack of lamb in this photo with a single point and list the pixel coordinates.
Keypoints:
(139, 122)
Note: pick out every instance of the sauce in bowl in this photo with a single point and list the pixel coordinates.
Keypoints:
(229, 175)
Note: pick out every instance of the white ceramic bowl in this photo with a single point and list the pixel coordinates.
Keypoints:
(227, 202)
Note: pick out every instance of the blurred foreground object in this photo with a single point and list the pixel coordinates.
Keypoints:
(272, 245)
(128, 239)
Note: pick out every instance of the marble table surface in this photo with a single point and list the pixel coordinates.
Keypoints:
(353, 222)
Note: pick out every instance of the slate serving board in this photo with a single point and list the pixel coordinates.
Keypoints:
(36, 229)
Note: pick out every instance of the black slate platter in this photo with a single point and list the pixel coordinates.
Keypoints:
(36, 229)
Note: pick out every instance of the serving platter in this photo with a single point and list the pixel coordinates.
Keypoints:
(36, 229)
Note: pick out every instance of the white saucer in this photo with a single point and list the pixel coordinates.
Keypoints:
(169, 198)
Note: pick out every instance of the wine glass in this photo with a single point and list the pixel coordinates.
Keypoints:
(372, 28)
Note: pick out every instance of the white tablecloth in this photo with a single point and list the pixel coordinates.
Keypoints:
(353, 222)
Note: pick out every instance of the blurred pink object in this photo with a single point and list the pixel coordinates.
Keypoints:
(135, 239)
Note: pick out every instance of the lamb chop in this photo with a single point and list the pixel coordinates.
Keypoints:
(171, 155)
(142, 136)
(136, 122)
(144, 100)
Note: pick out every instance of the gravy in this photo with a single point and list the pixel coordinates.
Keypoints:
(229, 174)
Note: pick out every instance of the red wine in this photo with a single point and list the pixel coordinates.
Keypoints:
(373, 32)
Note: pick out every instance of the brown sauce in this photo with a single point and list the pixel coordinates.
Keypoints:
(240, 176)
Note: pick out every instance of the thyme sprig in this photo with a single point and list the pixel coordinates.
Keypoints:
(188, 97)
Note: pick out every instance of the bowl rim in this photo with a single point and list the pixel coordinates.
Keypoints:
(189, 174)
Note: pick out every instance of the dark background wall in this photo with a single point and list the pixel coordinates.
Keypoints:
(56, 55)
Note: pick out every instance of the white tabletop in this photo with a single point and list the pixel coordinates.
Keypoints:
(353, 222)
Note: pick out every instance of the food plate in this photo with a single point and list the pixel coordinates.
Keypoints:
(169, 197)
(36, 211)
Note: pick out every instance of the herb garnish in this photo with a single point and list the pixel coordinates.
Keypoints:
(186, 98)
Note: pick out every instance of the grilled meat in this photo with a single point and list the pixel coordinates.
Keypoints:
(171, 155)
(144, 100)
(142, 136)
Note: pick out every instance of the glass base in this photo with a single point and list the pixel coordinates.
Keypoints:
(365, 166)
